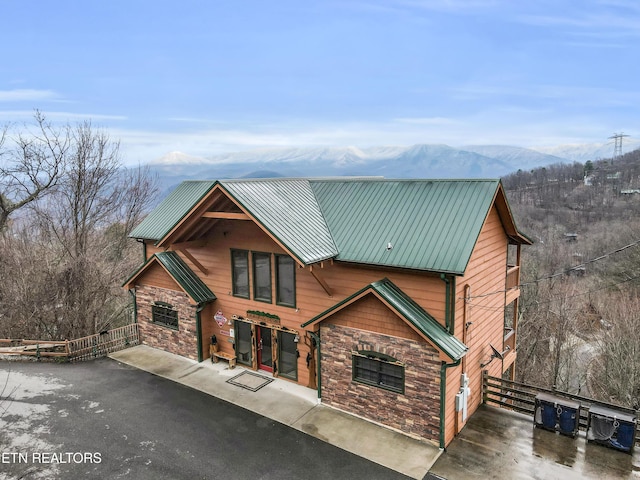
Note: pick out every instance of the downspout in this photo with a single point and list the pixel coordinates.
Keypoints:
(132, 292)
(144, 249)
(443, 395)
(316, 337)
(199, 309)
(450, 285)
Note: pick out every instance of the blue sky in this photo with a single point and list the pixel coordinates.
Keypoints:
(205, 77)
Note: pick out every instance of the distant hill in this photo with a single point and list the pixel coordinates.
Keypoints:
(416, 161)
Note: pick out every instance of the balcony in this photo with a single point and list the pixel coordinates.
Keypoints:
(509, 339)
(512, 283)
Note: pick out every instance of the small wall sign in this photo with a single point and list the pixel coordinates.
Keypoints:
(220, 318)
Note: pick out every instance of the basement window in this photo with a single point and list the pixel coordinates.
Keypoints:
(164, 314)
(377, 369)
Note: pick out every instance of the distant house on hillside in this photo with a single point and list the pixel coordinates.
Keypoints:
(387, 296)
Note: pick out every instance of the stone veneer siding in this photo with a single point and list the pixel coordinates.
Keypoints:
(416, 412)
(183, 341)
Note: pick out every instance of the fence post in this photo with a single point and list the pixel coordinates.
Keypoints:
(484, 386)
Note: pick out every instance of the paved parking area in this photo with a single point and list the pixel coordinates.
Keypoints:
(103, 419)
(500, 444)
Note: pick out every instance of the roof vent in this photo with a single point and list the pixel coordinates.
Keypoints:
(389, 246)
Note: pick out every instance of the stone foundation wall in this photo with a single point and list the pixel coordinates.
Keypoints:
(183, 341)
(416, 412)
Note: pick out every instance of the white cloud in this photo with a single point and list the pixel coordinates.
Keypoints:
(426, 120)
(26, 95)
(57, 116)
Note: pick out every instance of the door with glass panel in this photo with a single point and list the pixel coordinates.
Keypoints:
(264, 348)
(244, 343)
(288, 355)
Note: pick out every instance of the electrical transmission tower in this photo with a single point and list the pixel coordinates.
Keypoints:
(617, 149)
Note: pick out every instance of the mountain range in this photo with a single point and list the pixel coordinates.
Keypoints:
(416, 161)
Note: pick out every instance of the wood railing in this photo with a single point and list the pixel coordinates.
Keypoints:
(86, 348)
(513, 276)
(36, 348)
(520, 397)
(102, 344)
(510, 339)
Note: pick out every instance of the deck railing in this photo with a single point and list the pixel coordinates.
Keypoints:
(85, 348)
(513, 276)
(102, 344)
(510, 339)
(520, 397)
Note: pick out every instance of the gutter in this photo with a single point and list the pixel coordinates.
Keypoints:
(132, 292)
(443, 395)
(144, 249)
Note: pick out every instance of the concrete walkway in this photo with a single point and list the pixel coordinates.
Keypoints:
(292, 405)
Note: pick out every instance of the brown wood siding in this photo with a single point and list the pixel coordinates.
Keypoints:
(311, 299)
(157, 276)
(151, 248)
(486, 275)
(371, 315)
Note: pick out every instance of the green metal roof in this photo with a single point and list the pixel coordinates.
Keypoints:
(429, 224)
(171, 210)
(184, 276)
(411, 312)
(181, 273)
(288, 209)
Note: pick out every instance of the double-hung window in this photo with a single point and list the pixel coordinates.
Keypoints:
(259, 279)
(240, 273)
(379, 370)
(285, 281)
(262, 276)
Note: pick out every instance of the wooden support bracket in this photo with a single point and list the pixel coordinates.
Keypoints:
(321, 281)
(200, 267)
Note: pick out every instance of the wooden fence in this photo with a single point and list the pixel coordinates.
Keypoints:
(86, 348)
(520, 397)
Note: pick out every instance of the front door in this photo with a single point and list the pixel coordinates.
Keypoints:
(244, 340)
(265, 353)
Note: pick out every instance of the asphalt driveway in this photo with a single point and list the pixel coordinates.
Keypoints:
(103, 419)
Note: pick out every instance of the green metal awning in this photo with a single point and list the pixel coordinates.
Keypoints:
(407, 309)
(181, 273)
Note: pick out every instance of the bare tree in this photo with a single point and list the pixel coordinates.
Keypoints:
(71, 253)
(615, 371)
(31, 164)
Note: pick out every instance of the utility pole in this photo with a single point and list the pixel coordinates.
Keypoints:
(617, 149)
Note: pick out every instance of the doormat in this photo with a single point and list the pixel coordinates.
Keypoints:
(250, 381)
